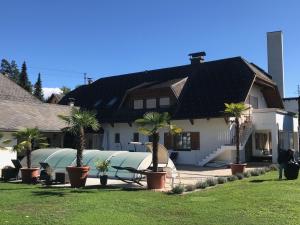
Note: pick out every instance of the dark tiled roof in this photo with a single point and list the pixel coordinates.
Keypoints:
(16, 115)
(208, 86)
(9, 90)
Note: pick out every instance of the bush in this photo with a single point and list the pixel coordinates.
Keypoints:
(222, 180)
(240, 176)
(267, 169)
(178, 189)
(202, 185)
(262, 171)
(273, 167)
(190, 187)
(255, 172)
(247, 174)
(232, 178)
(212, 182)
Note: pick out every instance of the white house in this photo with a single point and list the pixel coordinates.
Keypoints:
(194, 95)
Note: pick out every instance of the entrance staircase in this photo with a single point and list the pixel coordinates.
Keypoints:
(245, 132)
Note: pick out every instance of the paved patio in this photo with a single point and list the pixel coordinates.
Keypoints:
(186, 175)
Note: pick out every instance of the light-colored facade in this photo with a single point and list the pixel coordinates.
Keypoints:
(266, 130)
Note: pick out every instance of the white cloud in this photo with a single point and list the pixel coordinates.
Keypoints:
(49, 91)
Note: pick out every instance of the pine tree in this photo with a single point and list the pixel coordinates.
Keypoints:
(10, 69)
(5, 67)
(14, 71)
(38, 91)
(23, 79)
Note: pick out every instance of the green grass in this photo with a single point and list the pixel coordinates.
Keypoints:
(257, 200)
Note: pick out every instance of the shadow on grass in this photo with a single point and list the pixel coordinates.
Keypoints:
(261, 180)
(49, 193)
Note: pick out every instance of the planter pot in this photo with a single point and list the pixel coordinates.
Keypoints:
(156, 180)
(29, 175)
(103, 180)
(237, 168)
(78, 175)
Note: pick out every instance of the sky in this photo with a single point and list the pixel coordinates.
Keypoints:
(63, 39)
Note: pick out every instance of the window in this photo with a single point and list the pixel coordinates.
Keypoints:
(253, 101)
(151, 103)
(117, 137)
(263, 141)
(286, 140)
(164, 102)
(138, 104)
(136, 137)
(182, 141)
(111, 102)
(185, 141)
(97, 103)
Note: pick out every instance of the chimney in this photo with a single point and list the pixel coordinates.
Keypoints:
(197, 57)
(275, 59)
(71, 101)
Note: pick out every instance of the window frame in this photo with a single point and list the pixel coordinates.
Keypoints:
(142, 105)
(117, 138)
(155, 103)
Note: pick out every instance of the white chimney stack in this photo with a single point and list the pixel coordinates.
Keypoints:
(275, 59)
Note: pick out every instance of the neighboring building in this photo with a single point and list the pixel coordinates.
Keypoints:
(194, 95)
(54, 98)
(20, 109)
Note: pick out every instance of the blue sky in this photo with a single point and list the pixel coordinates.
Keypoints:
(63, 39)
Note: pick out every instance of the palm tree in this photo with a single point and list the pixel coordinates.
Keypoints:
(236, 110)
(29, 138)
(150, 125)
(4, 142)
(76, 123)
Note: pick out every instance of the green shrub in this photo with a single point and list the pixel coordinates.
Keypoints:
(202, 185)
(262, 170)
(212, 181)
(178, 189)
(255, 172)
(190, 187)
(240, 176)
(232, 178)
(273, 167)
(222, 180)
(267, 169)
(247, 174)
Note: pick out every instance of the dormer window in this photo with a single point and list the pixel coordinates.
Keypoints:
(151, 103)
(164, 102)
(138, 104)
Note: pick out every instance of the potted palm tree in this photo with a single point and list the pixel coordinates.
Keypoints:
(236, 110)
(77, 122)
(150, 125)
(102, 167)
(29, 139)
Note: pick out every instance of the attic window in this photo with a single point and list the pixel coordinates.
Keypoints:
(112, 101)
(164, 102)
(97, 103)
(138, 104)
(151, 103)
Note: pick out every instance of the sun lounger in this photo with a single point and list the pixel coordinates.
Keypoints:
(139, 174)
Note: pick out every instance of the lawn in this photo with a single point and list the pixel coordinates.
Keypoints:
(256, 200)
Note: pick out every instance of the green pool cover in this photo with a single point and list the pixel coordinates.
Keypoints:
(60, 158)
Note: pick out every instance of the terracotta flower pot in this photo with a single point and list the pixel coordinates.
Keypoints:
(78, 175)
(156, 180)
(237, 168)
(103, 180)
(29, 175)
